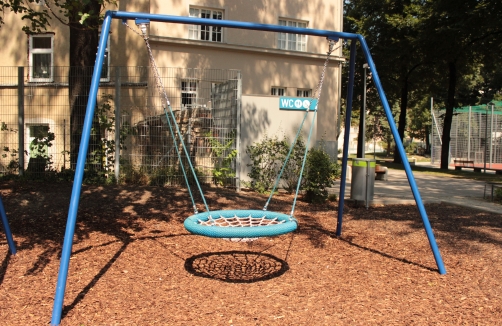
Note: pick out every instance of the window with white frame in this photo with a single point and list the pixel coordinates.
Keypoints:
(277, 91)
(303, 92)
(188, 93)
(294, 42)
(205, 33)
(41, 57)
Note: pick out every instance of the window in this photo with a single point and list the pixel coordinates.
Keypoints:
(300, 92)
(278, 91)
(205, 33)
(295, 42)
(41, 50)
(38, 148)
(188, 93)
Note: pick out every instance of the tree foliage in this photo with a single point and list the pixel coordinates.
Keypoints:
(446, 49)
(392, 29)
(83, 18)
(460, 37)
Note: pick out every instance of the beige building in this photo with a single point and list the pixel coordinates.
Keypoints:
(269, 65)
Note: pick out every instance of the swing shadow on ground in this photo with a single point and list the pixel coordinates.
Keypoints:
(236, 266)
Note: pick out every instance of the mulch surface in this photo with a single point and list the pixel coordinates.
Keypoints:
(133, 263)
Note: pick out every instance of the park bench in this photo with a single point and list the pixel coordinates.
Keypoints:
(459, 164)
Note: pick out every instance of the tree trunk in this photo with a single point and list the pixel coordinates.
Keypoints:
(83, 48)
(402, 118)
(448, 117)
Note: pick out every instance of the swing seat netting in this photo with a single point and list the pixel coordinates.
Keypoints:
(240, 224)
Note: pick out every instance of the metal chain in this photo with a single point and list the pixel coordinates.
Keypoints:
(158, 80)
(321, 81)
(167, 107)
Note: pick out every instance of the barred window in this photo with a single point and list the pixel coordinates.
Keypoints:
(278, 91)
(303, 92)
(188, 93)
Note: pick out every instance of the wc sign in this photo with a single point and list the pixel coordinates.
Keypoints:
(296, 103)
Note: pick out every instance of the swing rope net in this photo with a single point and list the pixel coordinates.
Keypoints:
(237, 221)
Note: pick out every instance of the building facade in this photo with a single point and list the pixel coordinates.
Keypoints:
(269, 65)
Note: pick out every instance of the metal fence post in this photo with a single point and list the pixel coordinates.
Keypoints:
(117, 123)
(491, 135)
(238, 131)
(469, 137)
(20, 108)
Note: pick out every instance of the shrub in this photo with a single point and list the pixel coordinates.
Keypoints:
(321, 173)
(267, 158)
(223, 157)
(293, 167)
(498, 194)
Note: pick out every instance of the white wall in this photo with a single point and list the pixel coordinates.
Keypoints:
(260, 118)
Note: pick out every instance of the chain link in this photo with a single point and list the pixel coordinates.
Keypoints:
(321, 81)
(158, 80)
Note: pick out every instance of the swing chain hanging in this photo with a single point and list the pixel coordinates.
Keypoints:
(331, 48)
(167, 106)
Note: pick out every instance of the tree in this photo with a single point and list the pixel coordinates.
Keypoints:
(457, 35)
(83, 17)
(392, 33)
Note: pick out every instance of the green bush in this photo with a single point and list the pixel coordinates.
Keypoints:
(498, 194)
(223, 157)
(293, 167)
(267, 158)
(321, 173)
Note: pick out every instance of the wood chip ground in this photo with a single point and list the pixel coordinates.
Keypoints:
(133, 263)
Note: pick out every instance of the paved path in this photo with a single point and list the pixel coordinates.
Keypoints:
(432, 188)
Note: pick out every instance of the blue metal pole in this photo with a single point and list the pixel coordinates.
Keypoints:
(230, 24)
(346, 136)
(402, 153)
(79, 174)
(8, 233)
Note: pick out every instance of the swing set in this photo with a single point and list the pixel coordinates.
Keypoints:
(242, 224)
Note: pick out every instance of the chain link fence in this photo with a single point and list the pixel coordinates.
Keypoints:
(36, 124)
(476, 135)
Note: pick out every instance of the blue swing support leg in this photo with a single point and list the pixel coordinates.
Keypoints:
(346, 136)
(400, 148)
(124, 16)
(6, 227)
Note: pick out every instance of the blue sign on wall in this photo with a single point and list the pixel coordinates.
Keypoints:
(296, 103)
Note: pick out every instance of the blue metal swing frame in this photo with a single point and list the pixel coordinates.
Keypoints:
(353, 38)
(6, 227)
